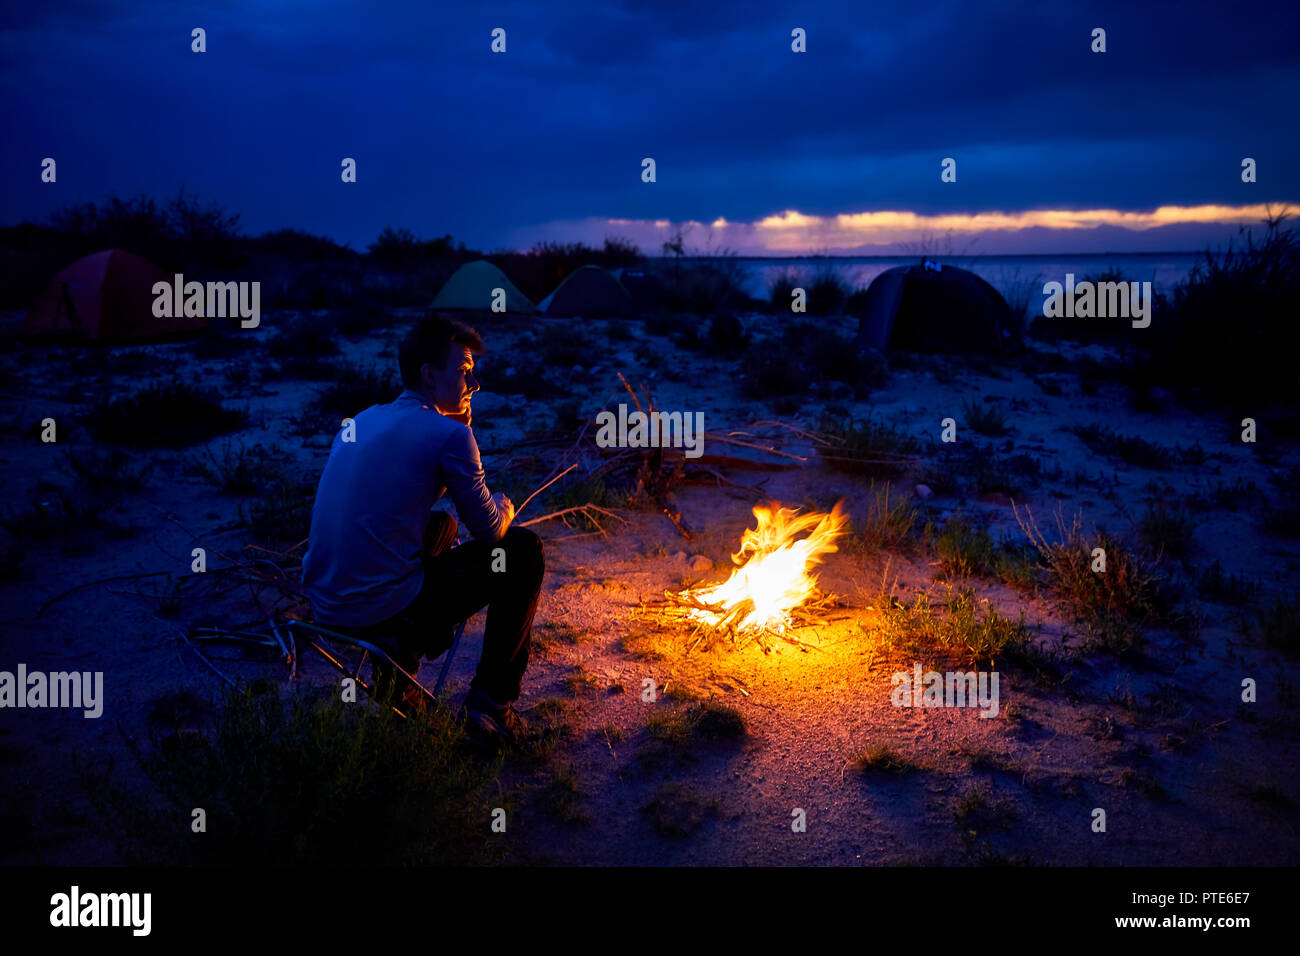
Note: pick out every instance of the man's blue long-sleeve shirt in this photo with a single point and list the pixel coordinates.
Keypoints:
(372, 508)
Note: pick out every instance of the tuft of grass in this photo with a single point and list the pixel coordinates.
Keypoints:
(173, 415)
(307, 782)
(646, 647)
(181, 708)
(676, 811)
(1228, 496)
(354, 390)
(703, 721)
(100, 483)
(1283, 521)
(965, 550)
(552, 721)
(858, 446)
(985, 473)
(1127, 448)
(240, 470)
(990, 636)
(881, 758)
(1166, 530)
(582, 682)
(1279, 624)
(613, 733)
(561, 798)
(976, 806)
(1144, 783)
(549, 634)
(113, 470)
(984, 418)
(304, 337)
(1270, 795)
(1216, 584)
(887, 523)
(282, 514)
(360, 320)
(808, 354)
(1113, 605)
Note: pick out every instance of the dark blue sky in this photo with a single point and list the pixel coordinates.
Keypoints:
(546, 140)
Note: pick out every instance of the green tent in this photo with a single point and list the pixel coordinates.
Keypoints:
(471, 287)
(590, 291)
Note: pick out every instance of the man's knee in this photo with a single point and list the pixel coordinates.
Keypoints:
(440, 534)
(525, 545)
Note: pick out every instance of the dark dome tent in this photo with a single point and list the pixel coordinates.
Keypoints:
(104, 297)
(590, 291)
(925, 308)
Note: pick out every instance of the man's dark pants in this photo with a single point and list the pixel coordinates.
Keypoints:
(459, 581)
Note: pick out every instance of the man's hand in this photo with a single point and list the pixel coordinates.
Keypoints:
(505, 508)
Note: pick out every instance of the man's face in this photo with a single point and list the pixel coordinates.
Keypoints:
(452, 385)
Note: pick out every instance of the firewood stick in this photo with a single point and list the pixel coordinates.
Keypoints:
(710, 436)
(813, 436)
(630, 392)
(543, 488)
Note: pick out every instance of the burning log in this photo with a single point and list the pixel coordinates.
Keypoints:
(772, 583)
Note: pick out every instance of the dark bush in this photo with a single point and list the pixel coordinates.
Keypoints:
(1230, 329)
(173, 415)
(827, 294)
(354, 390)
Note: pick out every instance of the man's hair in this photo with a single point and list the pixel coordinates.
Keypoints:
(430, 341)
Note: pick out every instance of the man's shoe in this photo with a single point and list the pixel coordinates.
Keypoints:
(489, 722)
(389, 685)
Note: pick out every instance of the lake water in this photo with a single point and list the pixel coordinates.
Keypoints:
(1005, 273)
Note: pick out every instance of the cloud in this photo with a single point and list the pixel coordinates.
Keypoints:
(791, 232)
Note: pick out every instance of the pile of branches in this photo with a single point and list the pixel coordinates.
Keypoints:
(652, 476)
(725, 626)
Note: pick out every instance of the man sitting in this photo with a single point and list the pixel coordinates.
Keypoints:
(380, 562)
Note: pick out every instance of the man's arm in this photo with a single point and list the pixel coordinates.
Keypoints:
(475, 506)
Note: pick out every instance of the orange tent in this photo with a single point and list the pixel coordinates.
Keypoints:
(107, 295)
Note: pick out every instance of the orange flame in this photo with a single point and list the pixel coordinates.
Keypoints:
(773, 577)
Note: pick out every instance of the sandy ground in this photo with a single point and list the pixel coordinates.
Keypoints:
(1163, 745)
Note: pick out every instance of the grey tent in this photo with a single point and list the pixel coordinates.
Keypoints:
(471, 287)
(934, 309)
(588, 291)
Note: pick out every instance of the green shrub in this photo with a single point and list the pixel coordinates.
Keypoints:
(1113, 606)
(310, 782)
(861, 445)
(984, 418)
(965, 550)
(888, 521)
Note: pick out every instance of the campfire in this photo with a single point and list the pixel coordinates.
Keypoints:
(772, 590)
